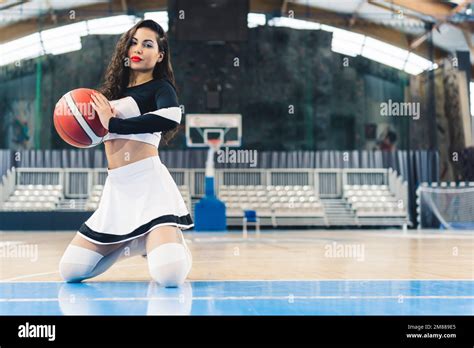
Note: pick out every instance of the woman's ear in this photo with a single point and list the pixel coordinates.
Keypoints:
(160, 58)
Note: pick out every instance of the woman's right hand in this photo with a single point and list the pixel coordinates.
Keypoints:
(103, 109)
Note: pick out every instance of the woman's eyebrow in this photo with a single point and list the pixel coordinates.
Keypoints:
(143, 40)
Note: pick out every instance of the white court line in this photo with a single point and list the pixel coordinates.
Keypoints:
(257, 280)
(335, 238)
(29, 276)
(115, 267)
(49, 273)
(421, 236)
(267, 240)
(225, 298)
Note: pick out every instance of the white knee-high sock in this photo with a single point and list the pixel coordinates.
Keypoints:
(169, 264)
(80, 263)
(77, 263)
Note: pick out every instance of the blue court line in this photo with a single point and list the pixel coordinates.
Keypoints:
(309, 297)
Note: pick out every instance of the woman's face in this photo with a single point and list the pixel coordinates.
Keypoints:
(143, 52)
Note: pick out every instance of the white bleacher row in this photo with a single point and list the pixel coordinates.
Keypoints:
(289, 200)
(94, 198)
(268, 187)
(39, 187)
(28, 206)
(373, 200)
(34, 198)
(366, 187)
(271, 199)
(366, 190)
(366, 193)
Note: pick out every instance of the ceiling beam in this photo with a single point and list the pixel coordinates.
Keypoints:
(12, 4)
(425, 36)
(266, 6)
(356, 12)
(390, 8)
(284, 7)
(433, 8)
(48, 21)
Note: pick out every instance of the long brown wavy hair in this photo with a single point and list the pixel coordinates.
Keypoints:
(117, 75)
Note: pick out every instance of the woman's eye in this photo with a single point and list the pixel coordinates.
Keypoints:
(149, 45)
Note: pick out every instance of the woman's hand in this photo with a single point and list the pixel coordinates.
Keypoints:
(103, 108)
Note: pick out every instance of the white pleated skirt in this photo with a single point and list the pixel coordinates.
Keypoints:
(136, 199)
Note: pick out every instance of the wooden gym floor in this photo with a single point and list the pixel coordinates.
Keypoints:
(275, 255)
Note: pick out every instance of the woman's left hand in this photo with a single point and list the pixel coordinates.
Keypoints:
(103, 108)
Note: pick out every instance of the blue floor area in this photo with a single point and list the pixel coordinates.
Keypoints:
(373, 297)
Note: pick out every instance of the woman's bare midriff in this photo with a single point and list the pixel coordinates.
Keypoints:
(121, 152)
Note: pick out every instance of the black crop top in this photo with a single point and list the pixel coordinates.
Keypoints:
(154, 105)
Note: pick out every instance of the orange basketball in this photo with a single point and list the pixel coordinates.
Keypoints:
(76, 121)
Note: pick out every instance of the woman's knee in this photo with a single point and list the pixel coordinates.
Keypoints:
(169, 264)
(77, 263)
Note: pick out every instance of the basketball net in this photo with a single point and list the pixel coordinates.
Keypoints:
(214, 143)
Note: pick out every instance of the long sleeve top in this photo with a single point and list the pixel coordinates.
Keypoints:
(144, 112)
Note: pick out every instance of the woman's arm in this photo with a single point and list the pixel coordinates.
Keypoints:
(156, 121)
(166, 116)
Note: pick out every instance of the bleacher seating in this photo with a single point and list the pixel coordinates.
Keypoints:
(34, 198)
(289, 201)
(94, 198)
(275, 205)
(184, 190)
(373, 201)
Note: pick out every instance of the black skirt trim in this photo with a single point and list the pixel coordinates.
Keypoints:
(184, 221)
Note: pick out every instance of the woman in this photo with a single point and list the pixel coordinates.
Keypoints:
(141, 210)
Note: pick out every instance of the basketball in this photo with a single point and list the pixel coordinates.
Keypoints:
(76, 121)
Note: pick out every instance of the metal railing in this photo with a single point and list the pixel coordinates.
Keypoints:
(40, 176)
(78, 182)
(328, 183)
(364, 177)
